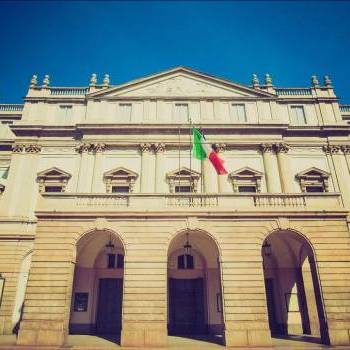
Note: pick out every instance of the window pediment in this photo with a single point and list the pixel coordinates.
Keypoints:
(120, 178)
(246, 179)
(183, 178)
(53, 180)
(313, 180)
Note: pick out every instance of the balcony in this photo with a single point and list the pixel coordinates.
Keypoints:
(300, 203)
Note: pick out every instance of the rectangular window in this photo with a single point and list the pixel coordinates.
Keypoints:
(120, 261)
(246, 189)
(110, 261)
(181, 189)
(65, 112)
(181, 112)
(53, 189)
(238, 113)
(314, 189)
(297, 115)
(125, 111)
(120, 189)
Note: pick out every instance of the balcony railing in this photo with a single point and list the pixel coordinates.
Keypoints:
(293, 91)
(69, 90)
(345, 108)
(11, 107)
(144, 202)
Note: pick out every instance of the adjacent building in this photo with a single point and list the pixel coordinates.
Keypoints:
(108, 225)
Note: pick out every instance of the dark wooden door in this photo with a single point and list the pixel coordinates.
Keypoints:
(270, 300)
(186, 306)
(109, 307)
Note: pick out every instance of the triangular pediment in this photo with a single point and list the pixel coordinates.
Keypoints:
(54, 173)
(246, 172)
(120, 173)
(180, 82)
(313, 172)
(183, 172)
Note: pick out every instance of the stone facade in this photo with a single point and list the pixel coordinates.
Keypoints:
(102, 199)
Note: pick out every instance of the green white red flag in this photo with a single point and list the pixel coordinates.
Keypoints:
(201, 150)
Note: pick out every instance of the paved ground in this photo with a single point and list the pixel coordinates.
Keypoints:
(89, 342)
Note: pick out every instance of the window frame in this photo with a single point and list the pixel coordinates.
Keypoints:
(122, 114)
(234, 117)
(293, 108)
(179, 117)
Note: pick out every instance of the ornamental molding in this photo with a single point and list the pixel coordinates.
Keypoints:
(159, 147)
(84, 147)
(220, 147)
(99, 147)
(346, 149)
(146, 147)
(266, 148)
(18, 148)
(32, 148)
(331, 149)
(281, 148)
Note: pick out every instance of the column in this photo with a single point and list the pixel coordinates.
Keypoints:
(147, 168)
(271, 169)
(159, 149)
(286, 177)
(310, 298)
(97, 180)
(85, 170)
(342, 177)
(223, 185)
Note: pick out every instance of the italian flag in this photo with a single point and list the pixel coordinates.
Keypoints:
(202, 150)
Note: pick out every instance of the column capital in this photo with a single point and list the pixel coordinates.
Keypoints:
(145, 147)
(281, 148)
(99, 147)
(18, 148)
(159, 147)
(220, 147)
(32, 148)
(331, 149)
(83, 147)
(266, 148)
(346, 149)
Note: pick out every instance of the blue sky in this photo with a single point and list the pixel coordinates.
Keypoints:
(291, 40)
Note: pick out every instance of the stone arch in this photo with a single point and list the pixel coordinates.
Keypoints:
(97, 285)
(202, 280)
(293, 291)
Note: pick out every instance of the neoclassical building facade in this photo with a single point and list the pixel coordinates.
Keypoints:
(108, 225)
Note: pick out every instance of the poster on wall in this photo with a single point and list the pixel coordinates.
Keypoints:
(81, 302)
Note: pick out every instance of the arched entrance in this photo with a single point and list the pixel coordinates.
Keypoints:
(293, 295)
(194, 287)
(98, 286)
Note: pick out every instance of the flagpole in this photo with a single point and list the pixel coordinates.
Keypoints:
(179, 158)
(190, 133)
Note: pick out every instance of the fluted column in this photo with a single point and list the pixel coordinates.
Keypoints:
(98, 171)
(147, 168)
(85, 171)
(340, 168)
(286, 179)
(271, 168)
(223, 185)
(159, 185)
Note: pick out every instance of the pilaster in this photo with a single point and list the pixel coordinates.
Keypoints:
(272, 175)
(98, 148)
(284, 168)
(86, 169)
(223, 185)
(147, 168)
(159, 149)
